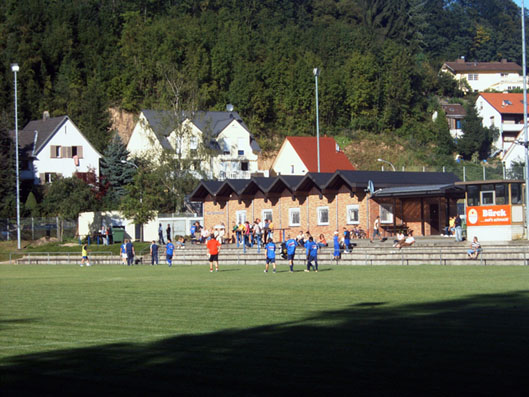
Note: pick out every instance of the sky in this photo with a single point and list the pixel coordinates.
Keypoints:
(519, 3)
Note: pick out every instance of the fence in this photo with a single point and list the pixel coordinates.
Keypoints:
(35, 228)
(471, 172)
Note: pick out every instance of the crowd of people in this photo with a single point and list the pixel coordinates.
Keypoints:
(261, 233)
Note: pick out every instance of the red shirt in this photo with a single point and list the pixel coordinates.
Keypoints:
(213, 246)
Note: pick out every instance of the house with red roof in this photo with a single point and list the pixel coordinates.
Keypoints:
(481, 76)
(298, 155)
(503, 111)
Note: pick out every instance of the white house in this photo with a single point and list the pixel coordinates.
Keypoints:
(298, 155)
(504, 112)
(55, 147)
(455, 113)
(235, 149)
(481, 76)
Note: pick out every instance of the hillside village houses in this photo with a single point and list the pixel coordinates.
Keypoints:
(235, 151)
(54, 146)
(455, 113)
(504, 111)
(298, 155)
(482, 76)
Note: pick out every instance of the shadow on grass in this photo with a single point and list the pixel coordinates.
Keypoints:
(477, 345)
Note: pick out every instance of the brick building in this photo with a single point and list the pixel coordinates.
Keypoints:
(324, 202)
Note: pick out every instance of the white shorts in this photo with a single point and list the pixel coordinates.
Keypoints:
(124, 255)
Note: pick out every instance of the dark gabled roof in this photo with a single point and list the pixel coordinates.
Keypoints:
(382, 179)
(454, 110)
(163, 123)
(400, 181)
(421, 191)
(37, 133)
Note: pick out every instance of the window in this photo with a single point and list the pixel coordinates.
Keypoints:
(473, 77)
(226, 146)
(516, 193)
(501, 195)
(49, 177)
(294, 217)
(267, 214)
(292, 169)
(240, 147)
(241, 216)
(74, 151)
(244, 166)
(386, 213)
(323, 215)
(473, 196)
(487, 195)
(193, 146)
(353, 214)
(55, 152)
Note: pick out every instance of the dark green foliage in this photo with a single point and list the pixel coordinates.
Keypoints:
(476, 138)
(67, 197)
(31, 206)
(117, 171)
(378, 59)
(7, 171)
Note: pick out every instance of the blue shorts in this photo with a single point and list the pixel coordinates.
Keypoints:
(270, 260)
(290, 257)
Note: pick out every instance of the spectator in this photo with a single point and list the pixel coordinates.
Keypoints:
(169, 250)
(475, 249)
(154, 253)
(300, 239)
(130, 253)
(408, 242)
(400, 238)
(336, 245)
(168, 231)
(346, 240)
(322, 242)
(459, 230)
(181, 243)
(376, 229)
(160, 234)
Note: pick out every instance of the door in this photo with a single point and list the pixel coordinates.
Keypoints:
(434, 219)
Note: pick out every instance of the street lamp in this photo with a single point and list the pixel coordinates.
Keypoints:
(129, 163)
(387, 162)
(316, 72)
(526, 137)
(15, 68)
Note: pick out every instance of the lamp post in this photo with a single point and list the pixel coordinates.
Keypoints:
(15, 68)
(387, 162)
(526, 138)
(316, 72)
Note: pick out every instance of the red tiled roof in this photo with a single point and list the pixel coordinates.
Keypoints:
(504, 103)
(330, 159)
(462, 67)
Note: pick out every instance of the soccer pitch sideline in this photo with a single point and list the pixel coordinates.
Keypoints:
(421, 330)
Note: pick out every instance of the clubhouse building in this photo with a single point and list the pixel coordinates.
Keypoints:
(324, 202)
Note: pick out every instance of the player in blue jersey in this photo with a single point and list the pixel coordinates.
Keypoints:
(336, 244)
(270, 255)
(312, 247)
(291, 252)
(169, 249)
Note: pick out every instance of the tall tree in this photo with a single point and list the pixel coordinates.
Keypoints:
(476, 138)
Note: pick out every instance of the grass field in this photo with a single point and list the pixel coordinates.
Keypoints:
(425, 330)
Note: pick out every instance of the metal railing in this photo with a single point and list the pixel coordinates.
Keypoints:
(50, 256)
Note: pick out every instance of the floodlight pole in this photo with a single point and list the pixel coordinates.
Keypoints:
(15, 68)
(316, 72)
(526, 138)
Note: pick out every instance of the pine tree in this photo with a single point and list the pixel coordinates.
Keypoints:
(476, 139)
(7, 171)
(117, 171)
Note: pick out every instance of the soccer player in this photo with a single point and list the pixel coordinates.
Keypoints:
(169, 249)
(213, 246)
(270, 254)
(123, 250)
(336, 244)
(84, 254)
(313, 255)
(291, 252)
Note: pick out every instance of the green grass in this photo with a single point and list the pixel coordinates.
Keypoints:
(425, 330)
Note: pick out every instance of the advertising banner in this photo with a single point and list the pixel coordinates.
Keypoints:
(489, 215)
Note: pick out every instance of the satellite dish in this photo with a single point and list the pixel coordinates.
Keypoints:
(229, 107)
(371, 187)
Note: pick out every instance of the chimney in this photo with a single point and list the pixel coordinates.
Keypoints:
(461, 60)
(504, 60)
(45, 115)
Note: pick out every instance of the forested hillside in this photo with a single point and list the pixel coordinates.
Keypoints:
(379, 59)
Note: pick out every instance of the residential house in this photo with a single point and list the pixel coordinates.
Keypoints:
(298, 155)
(455, 113)
(482, 76)
(235, 151)
(54, 146)
(504, 112)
